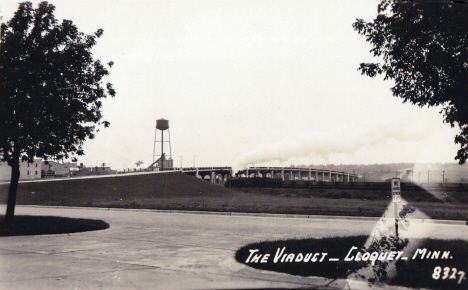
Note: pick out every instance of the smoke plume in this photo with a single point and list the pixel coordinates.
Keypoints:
(324, 145)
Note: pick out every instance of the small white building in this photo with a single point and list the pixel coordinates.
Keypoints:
(28, 171)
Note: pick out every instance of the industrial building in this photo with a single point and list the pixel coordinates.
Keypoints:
(162, 162)
(28, 171)
(53, 168)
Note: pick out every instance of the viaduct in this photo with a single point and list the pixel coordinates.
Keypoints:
(297, 173)
(223, 174)
(216, 174)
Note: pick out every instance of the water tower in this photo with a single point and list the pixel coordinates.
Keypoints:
(163, 161)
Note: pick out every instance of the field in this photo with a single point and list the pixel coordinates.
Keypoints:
(372, 202)
(179, 191)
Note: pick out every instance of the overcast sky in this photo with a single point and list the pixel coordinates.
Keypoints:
(248, 82)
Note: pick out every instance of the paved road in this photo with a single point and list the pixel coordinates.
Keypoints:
(147, 249)
(88, 177)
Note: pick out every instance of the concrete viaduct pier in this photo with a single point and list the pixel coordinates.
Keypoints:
(215, 174)
(298, 173)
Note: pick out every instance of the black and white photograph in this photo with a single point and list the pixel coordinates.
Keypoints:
(234, 144)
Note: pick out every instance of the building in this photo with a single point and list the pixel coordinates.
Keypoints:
(28, 171)
(158, 164)
(96, 170)
(53, 168)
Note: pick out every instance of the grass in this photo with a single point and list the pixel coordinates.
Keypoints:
(178, 191)
(24, 225)
(336, 193)
(415, 273)
(115, 189)
(457, 197)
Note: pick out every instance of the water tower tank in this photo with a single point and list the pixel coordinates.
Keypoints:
(162, 124)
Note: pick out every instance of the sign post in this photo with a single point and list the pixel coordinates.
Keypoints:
(396, 197)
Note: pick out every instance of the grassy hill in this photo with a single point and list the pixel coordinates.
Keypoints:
(115, 190)
(176, 190)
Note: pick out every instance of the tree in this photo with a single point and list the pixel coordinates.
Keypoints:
(51, 90)
(139, 163)
(424, 48)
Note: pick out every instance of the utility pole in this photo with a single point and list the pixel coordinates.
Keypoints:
(396, 197)
(396, 220)
(162, 150)
(428, 176)
(443, 189)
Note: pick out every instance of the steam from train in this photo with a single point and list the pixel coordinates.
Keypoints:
(324, 145)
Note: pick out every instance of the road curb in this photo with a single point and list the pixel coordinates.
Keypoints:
(274, 215)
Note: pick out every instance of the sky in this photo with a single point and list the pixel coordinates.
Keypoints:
(243, 83)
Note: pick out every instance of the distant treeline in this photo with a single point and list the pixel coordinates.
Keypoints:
(417, 172)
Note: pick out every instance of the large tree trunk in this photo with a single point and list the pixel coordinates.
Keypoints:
(15, 175)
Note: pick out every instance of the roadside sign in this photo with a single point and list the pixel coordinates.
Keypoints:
(396, 190)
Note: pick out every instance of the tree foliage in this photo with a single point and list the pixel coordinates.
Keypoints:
(423, 47)
(139, 163)
(51, 88)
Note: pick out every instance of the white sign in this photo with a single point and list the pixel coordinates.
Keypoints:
(396, 190)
